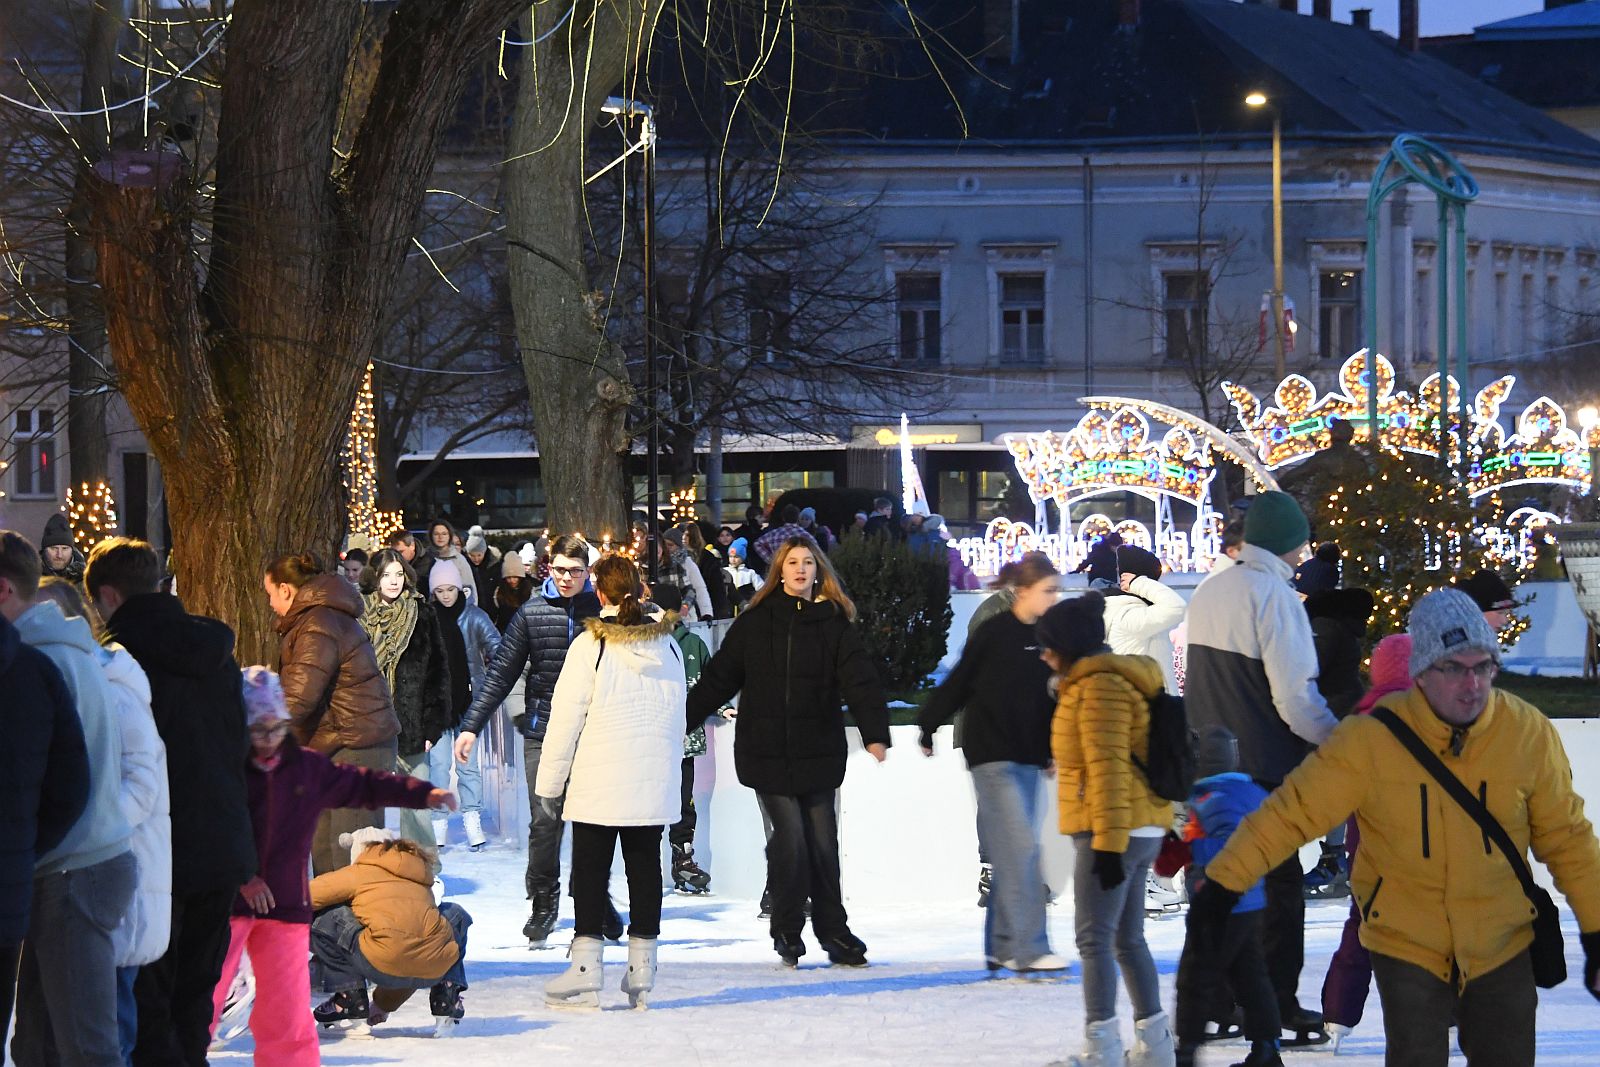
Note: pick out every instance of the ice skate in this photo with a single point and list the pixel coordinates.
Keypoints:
(236, 1010)
(1152, 1042)
(688, 877)
(789, 949)
(1102, 1046)
(1049, 963)
(641, 975)
(1338, 1032)
(985, 881)
(1161, 897)
(579, 985)
(441, 831)
(346, 1011)
(612, 928)
(846, 950)
(1261, 1055)
(1303, 1028)
(1330, 878)
(1229, 1029)
(444, 1000)
(472, 826)
(546, 909)
(764, 909)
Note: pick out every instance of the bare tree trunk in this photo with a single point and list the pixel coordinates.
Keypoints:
(577, 378)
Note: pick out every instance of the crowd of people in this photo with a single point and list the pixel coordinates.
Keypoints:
(174, 816)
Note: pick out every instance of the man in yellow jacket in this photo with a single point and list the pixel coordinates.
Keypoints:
(1443, 914)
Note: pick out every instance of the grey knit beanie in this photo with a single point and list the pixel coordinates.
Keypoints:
(1444, 623)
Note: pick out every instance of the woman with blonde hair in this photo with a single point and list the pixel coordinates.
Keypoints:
(793, 657)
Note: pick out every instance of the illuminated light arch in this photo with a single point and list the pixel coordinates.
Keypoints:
(1110, 450)
(1217, 439)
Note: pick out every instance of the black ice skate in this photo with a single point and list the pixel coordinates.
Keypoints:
(985, 880)
(1228, 1029)
(846, 950)
(1330, 878)
(1262, 1055)
(444, 1000)
(347, 1011)
(612, 929)
(764, 909)
(546, 909)
(1303, 1028)
(688, 877)
(789, 949)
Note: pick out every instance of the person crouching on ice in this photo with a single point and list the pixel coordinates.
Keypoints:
(377, 922)
(614, 746)
(288, 788)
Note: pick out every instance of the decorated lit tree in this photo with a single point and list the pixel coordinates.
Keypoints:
(91, 513)
(359, 460)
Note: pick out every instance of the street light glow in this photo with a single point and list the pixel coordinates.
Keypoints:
(1588, 417)
(1256, 99)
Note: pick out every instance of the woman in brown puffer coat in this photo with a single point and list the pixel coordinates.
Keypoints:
(338, 701)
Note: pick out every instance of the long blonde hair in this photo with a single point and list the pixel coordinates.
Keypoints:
(828, 585)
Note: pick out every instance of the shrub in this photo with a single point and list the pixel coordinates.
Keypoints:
(903, 599)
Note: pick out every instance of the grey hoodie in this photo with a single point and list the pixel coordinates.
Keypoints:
(102, 832)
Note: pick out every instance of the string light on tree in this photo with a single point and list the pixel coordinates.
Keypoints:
(91, 513)
(683, 505)
(359, 459)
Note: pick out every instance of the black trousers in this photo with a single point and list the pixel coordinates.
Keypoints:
(682, 832)
(10, 957)
(592, 848)
(1495, 1013)
(803, 861)
(1240, 961)
(173, 994)
(1284, 931)
(543, 878)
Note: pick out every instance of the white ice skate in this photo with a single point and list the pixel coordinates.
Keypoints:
(236, 1009)
(579, 985)
(1161, 896)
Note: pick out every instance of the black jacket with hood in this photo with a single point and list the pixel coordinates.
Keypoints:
(198, 704)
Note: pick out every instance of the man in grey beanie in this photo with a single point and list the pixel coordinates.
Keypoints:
(1443, 914)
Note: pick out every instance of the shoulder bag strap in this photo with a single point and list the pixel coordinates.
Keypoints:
(1461, 795)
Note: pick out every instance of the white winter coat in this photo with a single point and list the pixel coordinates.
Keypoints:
(1137, 628)
(146, 928)
(614, 741)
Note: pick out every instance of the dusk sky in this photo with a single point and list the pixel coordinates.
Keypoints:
(1438, 16)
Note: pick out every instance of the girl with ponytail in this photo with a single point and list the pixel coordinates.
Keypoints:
(614, 748)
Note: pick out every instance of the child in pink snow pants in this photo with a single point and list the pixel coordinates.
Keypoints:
(289, 787)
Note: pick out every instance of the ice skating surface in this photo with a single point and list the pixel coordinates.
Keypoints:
(721, 998)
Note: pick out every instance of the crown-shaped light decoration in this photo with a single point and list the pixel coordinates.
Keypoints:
(1112, 449)
(1542, 448)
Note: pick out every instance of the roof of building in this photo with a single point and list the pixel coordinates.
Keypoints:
(1580, 20)
(1550, 59)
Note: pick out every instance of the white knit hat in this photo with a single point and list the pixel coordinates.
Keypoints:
(443, 572)
(1444, 623)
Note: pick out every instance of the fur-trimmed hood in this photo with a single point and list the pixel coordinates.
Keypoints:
(608, 629)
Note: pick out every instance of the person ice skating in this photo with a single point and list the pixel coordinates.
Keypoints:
(1492, 595)
(1101, 725)
(1320, 573)
(787, 528)
(1101, 560)
(351, 566)
(743, 581)
(48, 785)
(413, 551)
(289, 787)
(476, 640)
(537, 637)
(198, 711)
(442, 546)
(687, 876)
(143, 935)
(409, 644)
(790, 658)
(1338, 630)
(513, 590)
(613, 750)
(1251, 667)
(58, 556)
(1445, 916)
(1349, 978)
(484, 559)
(1221, 800)
(339, 703)
(376, 922)
(1002, 688)
(1141, 612)
(676, 566)
(66, 1001)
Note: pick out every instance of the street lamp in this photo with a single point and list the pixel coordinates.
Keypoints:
(1258, 99)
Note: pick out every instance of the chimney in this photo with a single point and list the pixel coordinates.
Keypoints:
(1322, 9)
(1127, 14)
(1361, 18)
(1408, 24)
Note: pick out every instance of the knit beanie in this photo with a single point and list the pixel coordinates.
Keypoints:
(263, 696)
(1139, 562)
(1074, 628)
(1446, 622)
(443, 572)
(512, 566)
(1217, 753)
(1275, 523)
(57, 531)
(1488, 590)
(741, 546)
(1390, 671)
(475, 541)
(808, 516)
(357, 841)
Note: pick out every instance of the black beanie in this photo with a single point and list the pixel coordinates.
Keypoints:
(56, 532)
(1074, 628)
(1139, 562)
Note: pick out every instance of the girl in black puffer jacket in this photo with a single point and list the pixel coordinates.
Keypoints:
(792, 656)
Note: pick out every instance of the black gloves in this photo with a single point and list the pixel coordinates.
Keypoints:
(1209, 908)
(1108, 869)
(1591, 961)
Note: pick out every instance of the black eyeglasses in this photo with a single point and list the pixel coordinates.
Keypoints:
(1457, 672)
(569, 572)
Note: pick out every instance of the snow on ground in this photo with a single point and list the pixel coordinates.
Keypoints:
(721, 998)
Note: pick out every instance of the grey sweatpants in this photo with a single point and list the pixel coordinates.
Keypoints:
(1110, 929)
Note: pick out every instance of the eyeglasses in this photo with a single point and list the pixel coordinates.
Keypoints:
(569, 572)
(1457, 672)
(273, 730)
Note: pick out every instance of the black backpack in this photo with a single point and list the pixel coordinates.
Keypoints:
(1172, 766)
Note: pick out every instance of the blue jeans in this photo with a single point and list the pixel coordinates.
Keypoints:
(469, 779)
(127, 1013)
(1008, 802)
(338, 964)
(1110, 930)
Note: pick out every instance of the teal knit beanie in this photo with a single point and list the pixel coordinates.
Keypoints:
(1276, 523)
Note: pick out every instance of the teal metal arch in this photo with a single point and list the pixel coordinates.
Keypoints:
(1419, 161)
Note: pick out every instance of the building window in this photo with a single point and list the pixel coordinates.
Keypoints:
(1338, 313)
(767, 315)
(1184, 295)
(918, 304)
(1022, 318)
(33, 435)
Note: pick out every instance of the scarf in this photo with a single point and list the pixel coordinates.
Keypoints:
(390, 624)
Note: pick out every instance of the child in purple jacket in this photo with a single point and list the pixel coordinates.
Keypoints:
(289, 787)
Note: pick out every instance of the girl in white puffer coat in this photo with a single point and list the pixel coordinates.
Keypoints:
(614, 747)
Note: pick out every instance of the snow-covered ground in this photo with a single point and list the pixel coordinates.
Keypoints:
(721, 998)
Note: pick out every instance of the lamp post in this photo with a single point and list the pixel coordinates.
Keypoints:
(1258, 99)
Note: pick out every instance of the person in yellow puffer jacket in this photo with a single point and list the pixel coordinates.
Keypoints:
(1443, 914)
(1101, 723)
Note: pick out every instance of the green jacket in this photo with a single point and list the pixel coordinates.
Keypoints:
(695, 654)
